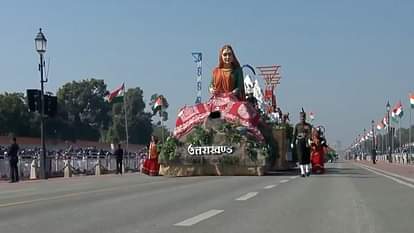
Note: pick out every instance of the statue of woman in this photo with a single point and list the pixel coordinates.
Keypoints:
(228, 75)
(228, 100)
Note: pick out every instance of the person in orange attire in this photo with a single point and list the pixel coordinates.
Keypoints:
(318, 150)
(151, 166)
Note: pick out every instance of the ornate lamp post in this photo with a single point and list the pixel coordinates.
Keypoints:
(40, 43)
(388, 107)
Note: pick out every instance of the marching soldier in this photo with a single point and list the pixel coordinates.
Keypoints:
(301, 142)
(13, 160)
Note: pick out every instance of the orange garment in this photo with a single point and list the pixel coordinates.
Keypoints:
(223, 82)
(153, 152)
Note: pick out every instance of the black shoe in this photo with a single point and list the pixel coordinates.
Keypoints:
(308, 174)
(303, 175)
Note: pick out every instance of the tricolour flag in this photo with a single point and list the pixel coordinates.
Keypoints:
(116, 94)
(311, 116)
(158, 104)
(384, 121)
(412, 100)
(380, 125)
(397, 111)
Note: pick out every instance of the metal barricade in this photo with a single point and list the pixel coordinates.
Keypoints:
(80, 164)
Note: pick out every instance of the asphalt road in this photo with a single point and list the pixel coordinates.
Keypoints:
(346, 199)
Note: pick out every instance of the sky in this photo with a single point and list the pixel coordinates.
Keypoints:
(342, 60)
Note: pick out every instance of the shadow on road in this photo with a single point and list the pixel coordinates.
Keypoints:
(337, 169)
(290, 172)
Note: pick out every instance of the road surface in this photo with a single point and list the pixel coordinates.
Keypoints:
(349, 198)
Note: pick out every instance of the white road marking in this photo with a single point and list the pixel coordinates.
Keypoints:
(199, 218)
(293, 177)
(247, 196)
(284, 181)
(270, 186)
(17, 191)
(390, 173)
(389, 177)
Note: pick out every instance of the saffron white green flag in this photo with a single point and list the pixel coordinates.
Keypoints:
(312, 116)
(116, 94)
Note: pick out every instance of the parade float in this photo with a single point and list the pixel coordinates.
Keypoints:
(233, 132)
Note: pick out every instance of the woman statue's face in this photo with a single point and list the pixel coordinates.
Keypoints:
(227, 56)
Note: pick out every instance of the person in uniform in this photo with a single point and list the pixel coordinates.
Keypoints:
(13, 160)
(301, 143)
(119, 154)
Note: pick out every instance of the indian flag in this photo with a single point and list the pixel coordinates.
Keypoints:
(397, 111)
(380, 125)
(311, 116)
(384, 121)
(159, 102)
(412, 100)
(118, 93)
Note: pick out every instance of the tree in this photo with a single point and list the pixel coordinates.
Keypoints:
(139, 122)
(14, 116)
(85, 114)
(161, 132)
(159, 104)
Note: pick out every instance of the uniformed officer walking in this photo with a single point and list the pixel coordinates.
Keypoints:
(302, 140)
(119, 154)
(13, 160)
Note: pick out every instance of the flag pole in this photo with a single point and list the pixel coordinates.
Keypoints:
(392, 138)
(409, 134)
(399, 135)
(162, 124)
(126, 121)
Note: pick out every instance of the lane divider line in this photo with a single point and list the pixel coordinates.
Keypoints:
(16, 191)
(389, 177)
(284, 181)
(247, 196)
(199, 218)
(270, 186)
(293, 177)
(389, 173)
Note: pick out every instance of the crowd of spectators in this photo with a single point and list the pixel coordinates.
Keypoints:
(81, 152)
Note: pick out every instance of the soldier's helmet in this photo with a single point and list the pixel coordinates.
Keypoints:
(302, 114)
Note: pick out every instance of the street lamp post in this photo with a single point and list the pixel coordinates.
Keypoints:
(40, 43)
(365, 144)
(388, 107)
(374, 148)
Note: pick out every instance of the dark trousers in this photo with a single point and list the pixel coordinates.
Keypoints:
(118, 166)
(14, 173)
